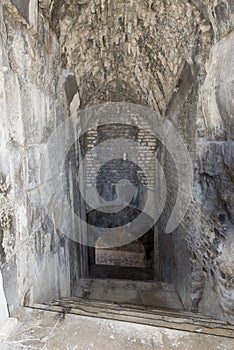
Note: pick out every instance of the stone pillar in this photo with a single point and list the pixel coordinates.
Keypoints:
(7, 324)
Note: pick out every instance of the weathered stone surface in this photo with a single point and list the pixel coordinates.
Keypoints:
(23, 7)
(217, 91)
(176, 57)
(29, 75)
(39, 329)
(4, 310)
(215, 181)
(135, 49)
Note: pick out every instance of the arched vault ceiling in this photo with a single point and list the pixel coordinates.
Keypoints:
(142, 43)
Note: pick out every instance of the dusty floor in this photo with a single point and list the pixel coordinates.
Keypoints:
(49, 331)
(148, 293)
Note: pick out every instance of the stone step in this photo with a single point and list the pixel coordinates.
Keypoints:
(144, 293)
(73, 302)
(170, 319)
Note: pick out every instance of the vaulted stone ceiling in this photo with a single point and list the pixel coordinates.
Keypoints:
(132, 50)
(126, 50)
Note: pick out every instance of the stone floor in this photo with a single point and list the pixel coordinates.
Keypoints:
(149, 293)
(50, 331)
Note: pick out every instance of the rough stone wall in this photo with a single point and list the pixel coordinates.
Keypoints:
(5, 215)
(220, 14)
(175, 56)
(205, 120)
(134, 51)
(32, 103)
(215, 173)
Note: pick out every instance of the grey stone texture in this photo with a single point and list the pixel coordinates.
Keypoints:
(23, 7)
(42, 329)
(173, 56)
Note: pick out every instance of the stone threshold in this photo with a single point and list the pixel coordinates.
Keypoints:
(170, 319)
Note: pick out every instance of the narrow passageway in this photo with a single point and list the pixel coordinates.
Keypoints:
(116, 174)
